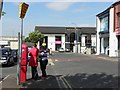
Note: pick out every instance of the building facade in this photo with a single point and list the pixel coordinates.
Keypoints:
(9, 41)
(65, 37)
(108, 31)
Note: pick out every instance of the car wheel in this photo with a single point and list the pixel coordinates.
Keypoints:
(8, 63)
(12, 60)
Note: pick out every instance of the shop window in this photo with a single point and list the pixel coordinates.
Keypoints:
(57, 38)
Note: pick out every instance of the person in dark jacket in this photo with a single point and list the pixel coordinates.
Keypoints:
(43, 62)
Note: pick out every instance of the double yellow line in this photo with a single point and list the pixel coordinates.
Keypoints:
(65, 82)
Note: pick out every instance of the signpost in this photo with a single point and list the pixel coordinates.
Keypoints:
(22, 11)
(1, 6)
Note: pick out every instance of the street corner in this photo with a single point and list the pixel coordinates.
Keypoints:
(50, 62)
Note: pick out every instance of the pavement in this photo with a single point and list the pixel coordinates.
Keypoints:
(10, 81)
(104, 57)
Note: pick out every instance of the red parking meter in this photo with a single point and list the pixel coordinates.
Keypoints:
(23, 63)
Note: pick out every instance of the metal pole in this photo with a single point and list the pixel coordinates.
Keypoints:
(21, 38)
(76, 38)
(20, 45)
(18, 63)
(1, 6)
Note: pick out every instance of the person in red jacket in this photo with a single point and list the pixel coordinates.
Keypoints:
(34, 52)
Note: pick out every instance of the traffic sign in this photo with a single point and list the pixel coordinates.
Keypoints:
(23, 9)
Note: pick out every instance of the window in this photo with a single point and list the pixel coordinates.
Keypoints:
(57, 38)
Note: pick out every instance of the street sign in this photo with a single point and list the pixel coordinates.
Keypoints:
(23, 9)
(1, 5)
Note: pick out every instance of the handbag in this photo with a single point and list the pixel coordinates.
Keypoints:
(38, 59)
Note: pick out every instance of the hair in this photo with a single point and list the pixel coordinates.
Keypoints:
(35, 45)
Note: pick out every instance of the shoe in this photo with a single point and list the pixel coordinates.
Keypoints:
(43, 78)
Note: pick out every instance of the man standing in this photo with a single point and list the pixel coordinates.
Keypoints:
(34, 52)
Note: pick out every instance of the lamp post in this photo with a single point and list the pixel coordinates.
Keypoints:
(76, 38)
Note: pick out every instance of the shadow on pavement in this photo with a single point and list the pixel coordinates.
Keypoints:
(101, 80)
(49, 82)
(79, 80)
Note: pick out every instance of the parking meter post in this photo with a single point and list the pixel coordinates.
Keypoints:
(18, 62)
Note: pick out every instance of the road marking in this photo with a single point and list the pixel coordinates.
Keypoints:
(56, 60)
(65, 82)
(50, 62)
(4, 78)
(58, 82)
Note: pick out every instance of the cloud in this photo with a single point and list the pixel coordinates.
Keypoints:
(59, 6)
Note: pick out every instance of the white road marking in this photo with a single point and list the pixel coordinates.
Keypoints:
(4, 78)
(50, 62)
(56, 60)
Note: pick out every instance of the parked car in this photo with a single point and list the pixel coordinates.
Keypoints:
(67, 50)
(61, 50)
(6, 57)
(15, 54)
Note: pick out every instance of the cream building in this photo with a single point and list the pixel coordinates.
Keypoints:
(9, 41)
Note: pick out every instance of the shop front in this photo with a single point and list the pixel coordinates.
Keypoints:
(117, 31)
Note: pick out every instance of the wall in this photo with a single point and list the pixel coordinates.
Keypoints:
(98, 39)
(13, 41)
(83, 40)
(93, 38)
(63, 41)
(113, 43)
(51, 40)
(14, 45)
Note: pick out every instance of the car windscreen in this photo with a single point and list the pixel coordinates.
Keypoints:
(3, 52)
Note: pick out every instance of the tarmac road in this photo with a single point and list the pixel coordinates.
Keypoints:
(77, 71)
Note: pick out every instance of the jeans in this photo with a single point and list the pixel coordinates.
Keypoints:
(34, 72)
(43, 67)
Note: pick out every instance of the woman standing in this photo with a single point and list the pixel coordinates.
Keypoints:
(43, 62)
(34, 52)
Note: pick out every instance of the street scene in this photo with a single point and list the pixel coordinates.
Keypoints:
(59, 45)
(68, 70)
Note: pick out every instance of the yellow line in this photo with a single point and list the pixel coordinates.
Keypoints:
(69, 86)
(63, 82)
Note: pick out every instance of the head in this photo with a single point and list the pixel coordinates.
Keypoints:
(35, 45)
